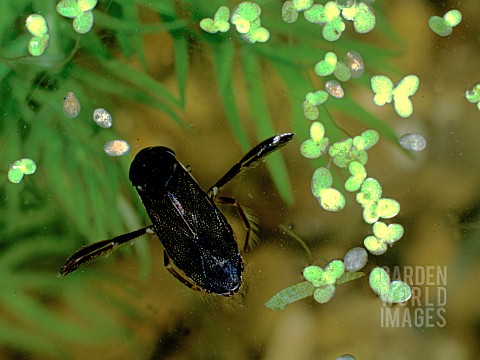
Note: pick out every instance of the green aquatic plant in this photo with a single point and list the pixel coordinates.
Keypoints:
(349, 152)
(383, 236)
(473, 95)
(320, 284)
(80, 11)
(218, 23)
(390, 292)
(246, 19)
(37, 26)
(95, 50)
(443, 26)
(60, 188)
(317, 145)
(386, 92)
(20, 168)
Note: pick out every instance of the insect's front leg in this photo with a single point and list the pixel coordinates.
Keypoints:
(250, 159)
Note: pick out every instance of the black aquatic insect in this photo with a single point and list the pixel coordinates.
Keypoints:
(200, 248)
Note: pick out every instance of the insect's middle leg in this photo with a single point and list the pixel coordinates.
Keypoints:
(248, 218)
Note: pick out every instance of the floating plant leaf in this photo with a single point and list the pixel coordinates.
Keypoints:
(218, 23)
(342, 72)
(331, 199)
(321, 179)
(366, 140)
(80, 11)
(344, 152)
(324, 294)
(310, 110)
(314, 274)
(389, 292)
(385, 92)
(317, 98)
(37, 26)
(317, 144)
(20, 168)
(327, 276)
(358, 175)
(401, 95)
(326, 66)
(382, 86)
(473, 95)
(443, 26)
(289, 13)
(364, 20)
(332, 31)
(302, 5)
(383, 236)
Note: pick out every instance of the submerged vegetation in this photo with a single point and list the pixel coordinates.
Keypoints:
(62, 62)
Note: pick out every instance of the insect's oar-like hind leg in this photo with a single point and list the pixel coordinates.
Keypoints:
(90, 252)
(251, 159)
(248, 218)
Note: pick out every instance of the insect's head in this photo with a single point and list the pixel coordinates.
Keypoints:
(152, 168)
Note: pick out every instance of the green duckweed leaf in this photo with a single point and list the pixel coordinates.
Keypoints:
(358, 175)
(364, 20)
(473, 95)
(37, 26)
(331, 200)
(321, 179)
(324, 294)
(289, 13)
(80, 11)
(316, 98)
(302, 5)
(327, 66)
(389, 292)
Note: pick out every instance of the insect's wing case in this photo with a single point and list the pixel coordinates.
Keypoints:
(194, 233)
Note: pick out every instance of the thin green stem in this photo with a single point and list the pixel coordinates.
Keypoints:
(300, 241)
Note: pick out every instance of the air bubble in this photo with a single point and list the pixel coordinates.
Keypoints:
(354, 62)
(334, 89)
(413, 142)
(71, 105)
(346, 357)
(116, 148)
(355, 259)
(102, 118)
(345, 3)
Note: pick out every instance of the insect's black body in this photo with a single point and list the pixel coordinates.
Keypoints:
(195, 234)
(200, 246)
